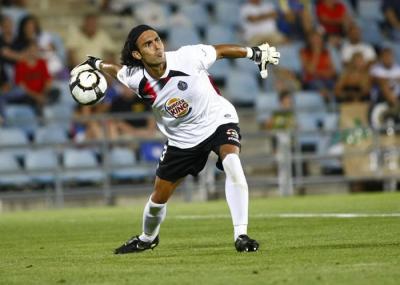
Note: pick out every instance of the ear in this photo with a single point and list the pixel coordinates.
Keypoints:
(136, 55)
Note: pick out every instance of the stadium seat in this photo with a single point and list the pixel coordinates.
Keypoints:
(220, 69)
(371, 32)
(15, 138)
(217, 34)
(266, 104)
(309, 124)
(227, 13)
(22, 117)
(197, 14)
(9, 169)
(290, 58)
(247, 66)
(65, 94)
(59, 115)
(180, 36)
(308, 102)
(50, 134)
(75, 161)
(370, 10)
(124, 165)
(42, 163)
(150, 151)
(241, 88)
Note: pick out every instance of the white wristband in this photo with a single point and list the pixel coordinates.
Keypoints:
(249, 52)
(97, 63)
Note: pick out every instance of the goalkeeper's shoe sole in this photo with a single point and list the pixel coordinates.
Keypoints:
(245, 244)
(135, 245)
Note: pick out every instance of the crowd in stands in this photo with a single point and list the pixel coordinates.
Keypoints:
(342, 50)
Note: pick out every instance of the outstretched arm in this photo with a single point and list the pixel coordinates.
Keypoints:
(97, 63)
(262, 55)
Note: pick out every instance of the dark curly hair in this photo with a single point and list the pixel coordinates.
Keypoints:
(130, 45)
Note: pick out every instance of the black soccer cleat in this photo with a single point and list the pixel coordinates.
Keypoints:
(245, 243)
(136, 245)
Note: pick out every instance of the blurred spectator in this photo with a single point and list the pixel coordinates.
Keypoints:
(354, 44)
(7, 54)
(121, 7)
(123, 101)
(4, 88)
(354, 83)
(296, 20)
(15, 10)
(27, 33)
(88, 40)
(318, 69)
(334, 18)
(30, 31)
(386, 75)
(86, 129)
(258, 22)
(391, 10)
(34, 80)
(284, 118)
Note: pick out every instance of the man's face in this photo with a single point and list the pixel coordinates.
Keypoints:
(151, 48)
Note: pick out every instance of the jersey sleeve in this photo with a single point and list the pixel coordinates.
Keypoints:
(202, 56)
(127, 76)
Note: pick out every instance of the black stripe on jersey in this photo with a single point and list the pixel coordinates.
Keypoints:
(147, 93)
(173, 73)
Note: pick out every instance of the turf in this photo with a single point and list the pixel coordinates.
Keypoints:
(74, 246)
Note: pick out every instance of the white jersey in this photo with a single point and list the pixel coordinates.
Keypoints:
(187, 106)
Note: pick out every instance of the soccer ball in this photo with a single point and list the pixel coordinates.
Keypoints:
(88, 86)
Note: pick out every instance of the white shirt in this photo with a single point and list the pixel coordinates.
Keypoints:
(186, 105)
(349, 49)
(264, 27)
(392, 74)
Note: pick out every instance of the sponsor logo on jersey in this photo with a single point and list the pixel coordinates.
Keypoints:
(182, 85)
(177, 108)
(233, 135)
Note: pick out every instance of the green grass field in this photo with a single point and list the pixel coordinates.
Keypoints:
(74, 246)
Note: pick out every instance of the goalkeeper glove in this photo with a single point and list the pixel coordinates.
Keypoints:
(262, 55)
(90, 63)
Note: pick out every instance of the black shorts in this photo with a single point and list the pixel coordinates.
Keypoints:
(176, 163)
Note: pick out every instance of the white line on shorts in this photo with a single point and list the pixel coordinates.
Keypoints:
(293, 215)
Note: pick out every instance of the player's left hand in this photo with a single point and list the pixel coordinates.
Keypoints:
(263, 55)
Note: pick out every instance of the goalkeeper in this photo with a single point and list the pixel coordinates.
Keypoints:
(192, 115)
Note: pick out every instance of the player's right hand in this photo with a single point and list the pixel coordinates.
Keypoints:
(90, 63)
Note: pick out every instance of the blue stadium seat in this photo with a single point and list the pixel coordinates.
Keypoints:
(59, 115)
(180, 36)
(9, 169)
(16, 138)
(370, 10)
(227, 13)
(42, 163)
(75, 160)
(266, 104)
(336, 58)
(370, 31)
(65, 94)
(308, 102)
(51, 134)
(21, 116)
(197, 14)
(217, 34)
(220, 69)
(124, 165)
(310, 123)
(150, 151)
(247, 66)
(290, 57)
(241, 88)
